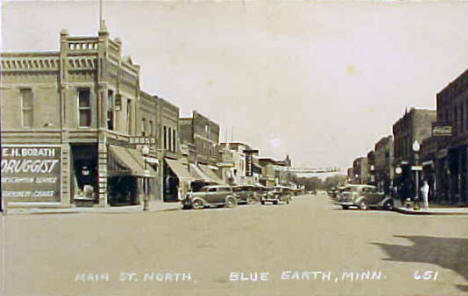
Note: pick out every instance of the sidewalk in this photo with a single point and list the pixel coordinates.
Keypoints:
(433, 210)
(154, 206)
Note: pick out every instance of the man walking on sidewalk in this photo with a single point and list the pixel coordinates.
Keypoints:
(425, 194)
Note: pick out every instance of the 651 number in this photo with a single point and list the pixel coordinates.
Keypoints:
(425, 275)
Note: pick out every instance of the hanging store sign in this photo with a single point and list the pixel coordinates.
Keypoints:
(140, 142)
(225, 164)
(248, 165)
(249, 162)
(31, 173)
(442, 131)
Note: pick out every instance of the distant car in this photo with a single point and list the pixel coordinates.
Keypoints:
(364, 197)
(210, 196)
(277, 194)
(339, 192)
(296, 191)
(246, 194)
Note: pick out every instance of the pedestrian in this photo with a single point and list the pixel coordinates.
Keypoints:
(180, 193)
(425, 194)
(395, 192)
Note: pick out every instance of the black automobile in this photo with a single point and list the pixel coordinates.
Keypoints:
(364, 197)
(246, 194)
(277, 194)
(210, 196)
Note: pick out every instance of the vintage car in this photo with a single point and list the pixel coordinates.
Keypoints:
(339, 192)
(210, 196)
(331, 192)
(364, 197)
(335, 192)
(246, 194)
(277, 194)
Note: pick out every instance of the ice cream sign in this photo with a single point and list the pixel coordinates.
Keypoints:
(30, 173)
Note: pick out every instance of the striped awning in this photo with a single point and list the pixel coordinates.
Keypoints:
(131, 161)
(180, 169)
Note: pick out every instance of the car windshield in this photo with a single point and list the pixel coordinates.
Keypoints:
(369, 189)
(351, 189)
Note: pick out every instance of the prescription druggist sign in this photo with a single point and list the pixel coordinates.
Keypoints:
(30, 173)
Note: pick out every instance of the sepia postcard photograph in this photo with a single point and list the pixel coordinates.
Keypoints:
(234, 148)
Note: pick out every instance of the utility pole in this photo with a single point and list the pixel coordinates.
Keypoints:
(100, 12)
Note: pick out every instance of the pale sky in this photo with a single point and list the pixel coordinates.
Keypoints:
(320, 81)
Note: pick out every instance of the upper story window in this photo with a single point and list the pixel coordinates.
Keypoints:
(151, 130)
(174, 147)
(169, 132)
(462, 116)
(129, 116)
(110, 110)
(27, 107)
(466, 114)
(84, 107)
(165, 137)
(143, 127)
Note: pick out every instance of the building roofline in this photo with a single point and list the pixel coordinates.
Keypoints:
(29, 53)
(453, 82)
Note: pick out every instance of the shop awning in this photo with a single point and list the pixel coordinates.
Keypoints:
(198, 174)
(211, 174)
(180, 169)
(132, 161)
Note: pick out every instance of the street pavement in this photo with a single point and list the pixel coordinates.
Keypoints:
(310, 247)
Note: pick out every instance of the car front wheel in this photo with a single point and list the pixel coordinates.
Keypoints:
(345, 207)
(230, 202)
(252, 200)
(388, 205)
(198, 204)
(363, 205)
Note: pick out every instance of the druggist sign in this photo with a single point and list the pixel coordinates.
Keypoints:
(31, 173)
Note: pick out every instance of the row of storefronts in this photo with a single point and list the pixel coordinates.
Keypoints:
(426, 146)
(77, 130)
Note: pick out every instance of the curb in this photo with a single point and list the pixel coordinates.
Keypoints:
(419, 212)
(36, 211)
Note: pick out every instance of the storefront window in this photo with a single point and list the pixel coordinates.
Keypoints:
(85, 171)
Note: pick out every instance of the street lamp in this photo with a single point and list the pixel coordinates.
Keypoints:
(145, 151)
(416, 148)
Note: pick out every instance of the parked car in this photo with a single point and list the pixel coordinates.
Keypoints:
(364, 197)
(339, 192)
(331, 192)
(296, 191)
(210, 196)
(261, 191)
(277, 194)
(246, 194)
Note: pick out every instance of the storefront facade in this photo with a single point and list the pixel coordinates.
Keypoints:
(78, 110)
